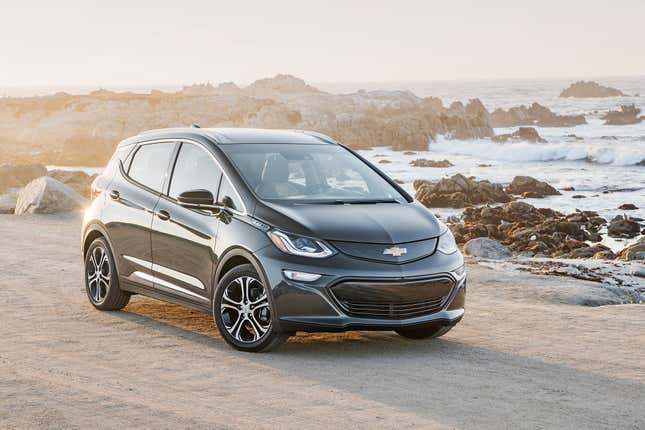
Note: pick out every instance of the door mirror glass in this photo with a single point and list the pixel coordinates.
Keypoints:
(196, 198)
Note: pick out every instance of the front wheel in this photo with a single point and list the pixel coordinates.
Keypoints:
(243, 313)
(424, 332)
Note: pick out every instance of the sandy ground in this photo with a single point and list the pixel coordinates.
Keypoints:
(521, 358)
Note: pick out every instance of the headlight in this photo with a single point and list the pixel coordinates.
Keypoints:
(298, 245)
(447, 243)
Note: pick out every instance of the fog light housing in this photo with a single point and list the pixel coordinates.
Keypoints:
(301, 276)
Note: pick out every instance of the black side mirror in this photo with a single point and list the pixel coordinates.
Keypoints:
(228, 202)
(196, 199)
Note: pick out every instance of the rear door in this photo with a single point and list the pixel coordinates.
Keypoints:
(183, 240)
(130, 201)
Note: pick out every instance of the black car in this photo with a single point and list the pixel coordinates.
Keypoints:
(273, 231)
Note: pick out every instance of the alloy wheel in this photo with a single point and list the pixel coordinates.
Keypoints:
(245, 309)
(98, 274)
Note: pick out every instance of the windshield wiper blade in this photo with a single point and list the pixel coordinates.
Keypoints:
(353, 202)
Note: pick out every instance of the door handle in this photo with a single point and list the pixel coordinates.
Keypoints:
(163, 215)
(114, 195)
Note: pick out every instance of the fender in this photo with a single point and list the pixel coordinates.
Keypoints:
(96, 225)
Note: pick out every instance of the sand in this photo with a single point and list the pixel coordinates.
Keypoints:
(521, 358)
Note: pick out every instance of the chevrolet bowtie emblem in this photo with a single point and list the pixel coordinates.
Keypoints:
(395, 251)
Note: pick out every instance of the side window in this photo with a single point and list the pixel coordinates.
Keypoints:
(226, 191)
(194, 169)
(150, 163)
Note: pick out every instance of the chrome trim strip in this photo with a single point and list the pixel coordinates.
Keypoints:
(167, 284)
(178, 275)
(167, 271)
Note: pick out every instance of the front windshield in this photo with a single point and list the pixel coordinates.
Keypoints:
(309, 174)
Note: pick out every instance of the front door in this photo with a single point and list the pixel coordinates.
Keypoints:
(183, 240)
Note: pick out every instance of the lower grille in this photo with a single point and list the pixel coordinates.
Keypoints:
(393, 300)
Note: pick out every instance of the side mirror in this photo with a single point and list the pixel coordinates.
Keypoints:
(197, 199)
(227, 202)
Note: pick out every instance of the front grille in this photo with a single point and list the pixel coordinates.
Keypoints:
(388, 300)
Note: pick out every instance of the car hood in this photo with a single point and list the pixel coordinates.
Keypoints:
(383, 223)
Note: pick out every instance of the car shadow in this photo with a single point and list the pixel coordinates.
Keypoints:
(460, 385)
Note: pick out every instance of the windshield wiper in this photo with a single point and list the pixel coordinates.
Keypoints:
(352, 202)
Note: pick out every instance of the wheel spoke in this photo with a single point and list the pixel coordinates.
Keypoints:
(252, 299)
(98, 274)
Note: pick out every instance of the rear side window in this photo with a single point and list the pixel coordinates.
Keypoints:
(150, 163)
(194, 169)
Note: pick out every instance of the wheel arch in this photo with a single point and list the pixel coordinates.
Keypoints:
(93, 231)
(233, 257)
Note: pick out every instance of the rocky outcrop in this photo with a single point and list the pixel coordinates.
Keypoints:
(84, 129)
(536, 114)
(46, 195)
(582, 89)
(635, 251)
(628, 207)
(531, 231)
(628, 114)
(529, 187)
(424, 162)
(523, 134)
(77, 180)
(623, 226)
(486, 248)
(458, 192)
(15, 176)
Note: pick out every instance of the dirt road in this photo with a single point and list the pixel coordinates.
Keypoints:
(518, 360)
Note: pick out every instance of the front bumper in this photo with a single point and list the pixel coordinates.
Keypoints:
(313, 307)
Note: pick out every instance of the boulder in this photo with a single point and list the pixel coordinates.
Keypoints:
(628, 207)
(458, 192)
(628, 114)
(46, 195)
(486, 248)
(536, 114)
(523, 134)
(8, 202)
(424, 162)
(582, 89)
(635, 251)
(78, 180)
(531, 187)
(623, 226)
(19, 175)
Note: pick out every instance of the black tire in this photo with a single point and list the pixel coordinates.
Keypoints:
(247, 324)
(425, 332)
(109, 296)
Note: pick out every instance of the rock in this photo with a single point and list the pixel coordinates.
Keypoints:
(633, 252)
(398, 181)
(16, 176)
(384, 161)
(523, 134)
(524, 228)
(409, 153)
(536, 114)
(424, 162)
(535, 189)
(622, 226)
(596, 252)
(46, 195)
(627, 207)
(628, 114)
(484, 247)
(484, 165)
(458, 192)
(77, 180)
(578, 196)
(582, 89)
(568, 189)
(279, 85)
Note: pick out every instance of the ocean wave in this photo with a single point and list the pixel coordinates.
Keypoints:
(617, 154)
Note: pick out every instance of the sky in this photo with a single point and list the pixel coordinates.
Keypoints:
(104, 43)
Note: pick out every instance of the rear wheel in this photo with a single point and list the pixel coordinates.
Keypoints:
(101, 278)
(243, 313)
(425, 332)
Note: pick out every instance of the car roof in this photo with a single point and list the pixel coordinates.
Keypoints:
(224, 136)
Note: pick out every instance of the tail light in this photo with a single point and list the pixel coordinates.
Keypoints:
(97, 187)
